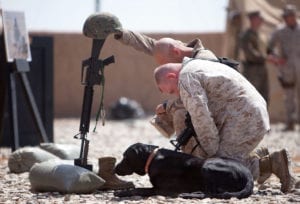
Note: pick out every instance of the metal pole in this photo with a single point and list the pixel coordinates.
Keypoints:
(97, 6)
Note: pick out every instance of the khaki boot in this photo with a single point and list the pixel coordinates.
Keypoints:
(106, 171)
(278, 163)
(289, 127)
(263, 176)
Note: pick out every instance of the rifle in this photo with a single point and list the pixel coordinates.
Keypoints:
(98, 27)
(185, 135)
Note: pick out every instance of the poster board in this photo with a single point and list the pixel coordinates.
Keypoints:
(16, 37)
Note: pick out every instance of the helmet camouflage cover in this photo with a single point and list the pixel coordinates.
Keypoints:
(100, 25)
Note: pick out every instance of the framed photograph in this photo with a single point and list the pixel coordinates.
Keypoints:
(16, 37)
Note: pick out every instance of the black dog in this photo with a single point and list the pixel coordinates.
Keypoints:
(178, 174)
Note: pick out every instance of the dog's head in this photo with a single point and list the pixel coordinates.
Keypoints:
(134, 159)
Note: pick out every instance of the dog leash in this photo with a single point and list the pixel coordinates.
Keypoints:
(149, 160)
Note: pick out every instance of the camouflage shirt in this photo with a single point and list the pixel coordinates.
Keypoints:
(287, 42)
(146, 44)
(250, 43)
(226, 110)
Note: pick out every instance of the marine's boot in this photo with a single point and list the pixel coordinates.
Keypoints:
(290, 126)
(263, 176)
(106, 171)
(278, 163)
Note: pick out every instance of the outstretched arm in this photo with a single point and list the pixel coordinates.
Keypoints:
(136, 40)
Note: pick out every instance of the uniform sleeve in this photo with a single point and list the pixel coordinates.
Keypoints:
(194, 98)
(195, 43)
(173, 104)
(252, 52)
(272, 43)
(138, 41)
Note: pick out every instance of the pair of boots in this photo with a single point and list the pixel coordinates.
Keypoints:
(279, 164)
(290, 126)
(106, 172)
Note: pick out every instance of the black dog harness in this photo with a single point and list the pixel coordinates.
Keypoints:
(149, 160)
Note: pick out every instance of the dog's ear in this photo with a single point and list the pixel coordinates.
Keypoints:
(151, 148)
(143, 150)
(140, 146)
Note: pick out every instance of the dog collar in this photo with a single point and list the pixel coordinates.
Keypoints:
(149, 160)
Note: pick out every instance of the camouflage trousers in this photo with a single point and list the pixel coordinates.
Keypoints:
(257, 75)
(174, 121)
(289, 79)
(290, 105)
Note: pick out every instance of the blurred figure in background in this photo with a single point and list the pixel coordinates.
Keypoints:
(234, 32)
(254, 65)
(284, 51)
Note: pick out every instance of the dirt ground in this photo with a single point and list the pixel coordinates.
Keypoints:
(112, 139)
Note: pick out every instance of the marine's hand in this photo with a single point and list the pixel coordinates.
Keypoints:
(160, 109)
(281, 61)
(118, 34)
(272, 59)
(276, 60)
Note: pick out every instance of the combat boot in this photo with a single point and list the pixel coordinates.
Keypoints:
(278, 163)
(289, 127)
(263, 176)
(106, 172)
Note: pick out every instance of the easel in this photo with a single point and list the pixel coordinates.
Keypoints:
(18, 53)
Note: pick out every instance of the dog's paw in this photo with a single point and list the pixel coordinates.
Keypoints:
(198, 194)
(122, 193)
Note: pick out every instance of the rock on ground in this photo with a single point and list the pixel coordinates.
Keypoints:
(111, 140)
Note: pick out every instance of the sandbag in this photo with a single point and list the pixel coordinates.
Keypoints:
(62, 176)
(63, 151)
(24, 158)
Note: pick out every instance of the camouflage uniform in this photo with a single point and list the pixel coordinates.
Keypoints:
(176, 109)
(138, 41)
(254, 65)
(287, 41)
(229, 116)
(145, 44)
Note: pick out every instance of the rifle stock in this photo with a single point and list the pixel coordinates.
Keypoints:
(92, 70)
(183, 138)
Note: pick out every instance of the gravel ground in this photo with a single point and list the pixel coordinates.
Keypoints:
(111, 140)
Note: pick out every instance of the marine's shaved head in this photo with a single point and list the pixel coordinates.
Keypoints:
(166, 77)
(168, 50)
(161, 72)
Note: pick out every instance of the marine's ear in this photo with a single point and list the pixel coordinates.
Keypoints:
(171, 75)
(176, 51)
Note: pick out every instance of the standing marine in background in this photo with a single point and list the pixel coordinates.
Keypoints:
(284, 51)
(254, 68)
(233, 34)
